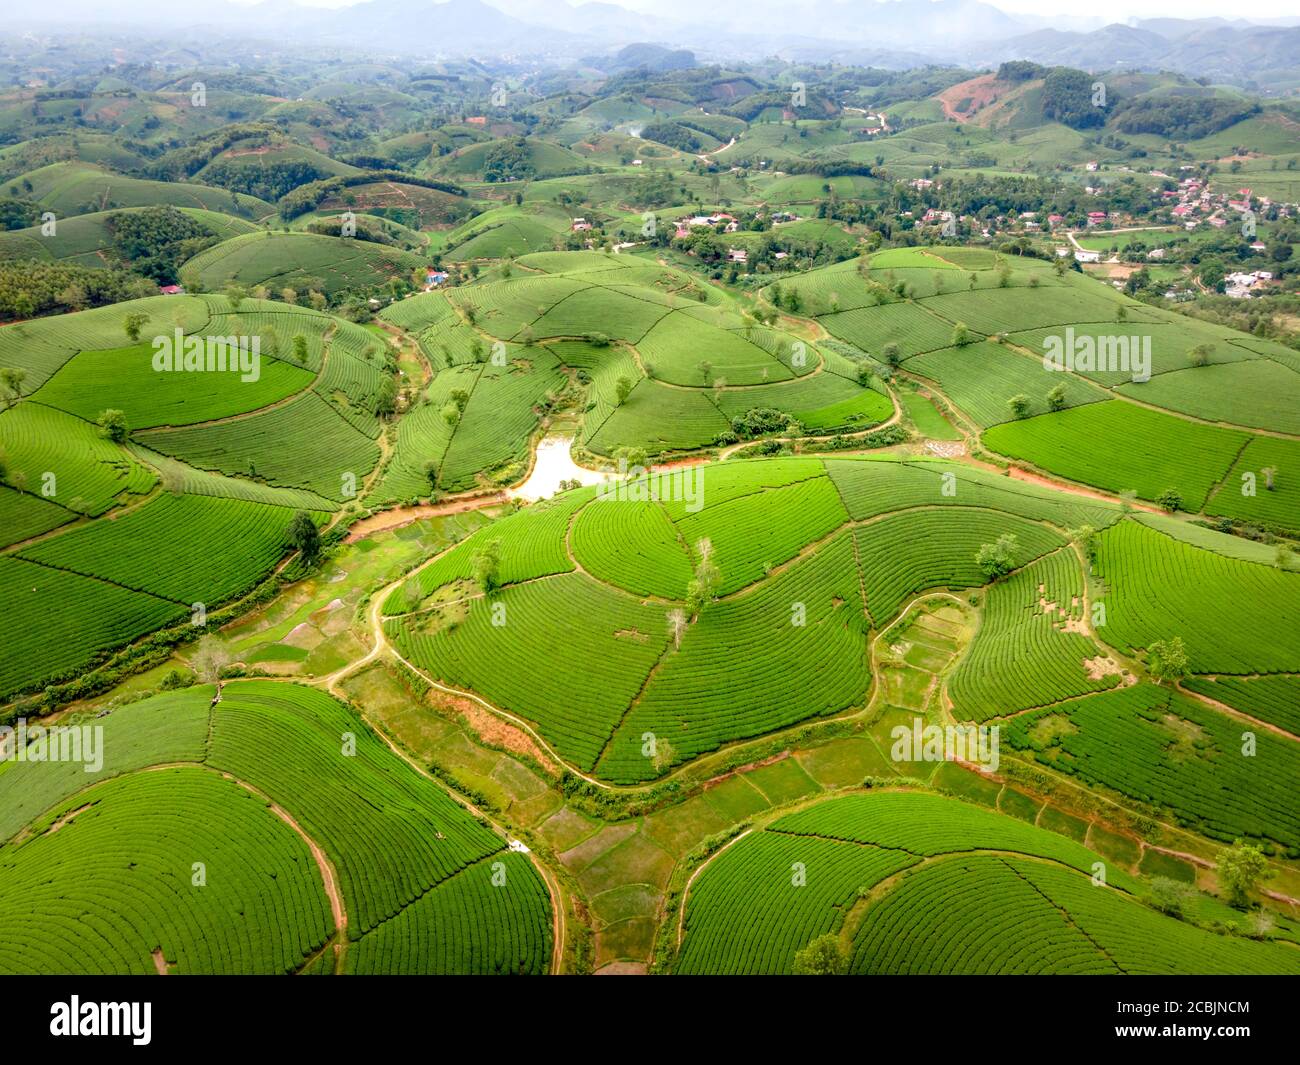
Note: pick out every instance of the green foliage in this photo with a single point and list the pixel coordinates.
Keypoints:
(997, 559)
(1167, 660)
(155, 241)
(671, 134)
(821, 957)
(112, 425)
(1171, 499)
(487, 566)
(759, 421)
(304, 536)
(508, 161)
(1182, 118)
(1241, 868)
(1068, 98)
(29, 288)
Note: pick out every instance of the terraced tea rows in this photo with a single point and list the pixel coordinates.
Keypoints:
(116, 879)
(910, 882)
(695, 363)
(785, 638)
(1171, 752)
(1033, 646)
(422, 885)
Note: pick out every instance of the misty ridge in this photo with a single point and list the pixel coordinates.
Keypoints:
(1258, 53)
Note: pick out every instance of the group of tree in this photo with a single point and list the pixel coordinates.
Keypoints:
(155, 241)
(33, 287)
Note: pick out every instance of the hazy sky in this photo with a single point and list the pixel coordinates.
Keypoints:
(1112, 10)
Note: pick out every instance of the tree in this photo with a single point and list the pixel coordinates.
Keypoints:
(1086, 537)
(623, 389)
(299, 349)
(1019, 405)
(210, 657)
(1171, 499)
(821, 957)
(459, 397)
(235, 295)
(892, 354)
(677, 624)
(997, 559)
(1056, 398)
(75, 296)
(1200, 355)
(133, 323)
(11, 381)
(960, 334)
(1167, 660)
(487, 566)
(304, 537)
(451, 415)
(632, 458)
(706, 370)
(112, 425)
(864, 374)
(1269, 472)
(386, 398)
(1241, 868)
(1170, 896)
(703, 588)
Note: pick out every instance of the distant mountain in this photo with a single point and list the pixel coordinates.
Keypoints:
(652, 57)
(889, 33)
(1252, 56)
(1108, 48)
